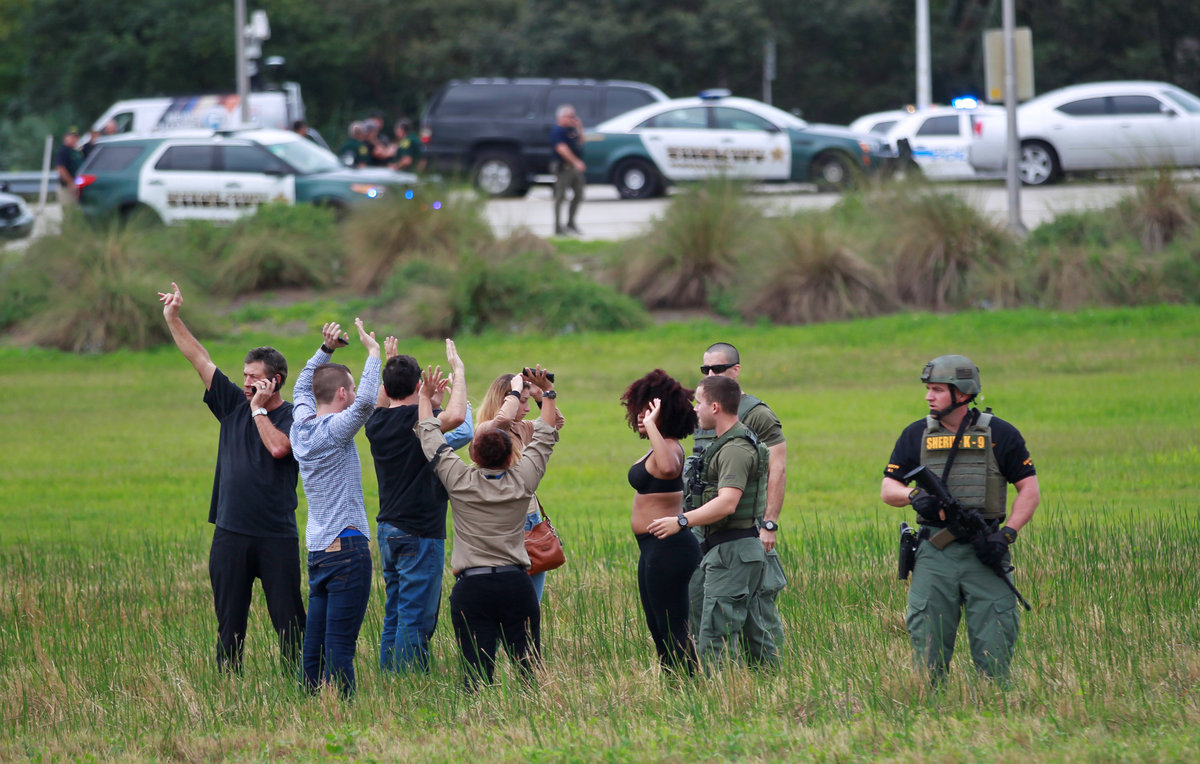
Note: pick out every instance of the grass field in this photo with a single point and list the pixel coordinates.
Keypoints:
(107, 632)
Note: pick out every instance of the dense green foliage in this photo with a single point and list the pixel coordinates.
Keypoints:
(64, 61)
(106, 625)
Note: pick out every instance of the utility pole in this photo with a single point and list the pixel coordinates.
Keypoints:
(239, 47)
(768, 68)
(1012, 180)
(924, 91)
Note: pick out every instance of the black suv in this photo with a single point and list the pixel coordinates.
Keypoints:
(499, 129)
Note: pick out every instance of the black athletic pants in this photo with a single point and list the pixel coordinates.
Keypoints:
(664, 570)
(497, 606)
(234, 561)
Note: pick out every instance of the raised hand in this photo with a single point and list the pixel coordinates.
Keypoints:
(652, 411)
(537, 377)
(452, 356)
(172, 301)
(332, 335)
(391, 348)
(367, 339)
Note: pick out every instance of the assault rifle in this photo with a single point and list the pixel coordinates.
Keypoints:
(963, 523)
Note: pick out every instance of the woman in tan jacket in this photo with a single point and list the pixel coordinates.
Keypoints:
(493, 598)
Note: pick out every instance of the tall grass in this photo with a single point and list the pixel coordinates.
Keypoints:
(106, 625)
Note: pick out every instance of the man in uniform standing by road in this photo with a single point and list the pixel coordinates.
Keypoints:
(254, 495)
(566, 141)
(976, 455)
(66, 163)
(722, 359)
(725, 499)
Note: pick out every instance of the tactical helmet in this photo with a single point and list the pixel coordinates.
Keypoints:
(954, 370)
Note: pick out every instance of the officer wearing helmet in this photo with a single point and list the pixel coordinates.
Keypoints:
(977, 455)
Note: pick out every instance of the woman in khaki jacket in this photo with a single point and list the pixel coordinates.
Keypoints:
(493, 598)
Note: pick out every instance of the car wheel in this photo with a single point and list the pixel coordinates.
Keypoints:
(833, 172)
(637, 179)
(1039, 163)
(499, 174)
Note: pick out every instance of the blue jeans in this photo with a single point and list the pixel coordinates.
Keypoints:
(339, 585)
(538, 579)
(412, 573)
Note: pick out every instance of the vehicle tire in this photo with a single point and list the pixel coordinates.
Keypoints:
(1039, 164)
(336, 206)
(637, 179)
(139, 216)
(499, 173)
(832, 171)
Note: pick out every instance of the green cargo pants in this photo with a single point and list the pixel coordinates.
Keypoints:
(728, 608)
(946, 582)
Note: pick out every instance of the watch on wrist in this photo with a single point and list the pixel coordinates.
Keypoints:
(683, 521)
(513, 393)
(326, 349)
(770, 525)
(1009, 533)
(258, 412)
(550, 394)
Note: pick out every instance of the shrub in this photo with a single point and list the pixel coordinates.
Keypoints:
(1072, 276)
(93, 291)
(937, 244)
(380, 236)
(1159, 210)
(811, 274)
(280, 246)
(1181, 268)
(693, 253)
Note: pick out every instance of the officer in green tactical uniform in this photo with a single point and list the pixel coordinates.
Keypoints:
(976, 455)
(726, 499)
(722, 359)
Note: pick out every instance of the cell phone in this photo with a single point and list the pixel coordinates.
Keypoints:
(343, 341)
(549, 374)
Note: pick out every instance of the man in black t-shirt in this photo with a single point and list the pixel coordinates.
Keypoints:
(412, 507)
(254, 495)
(977, 455)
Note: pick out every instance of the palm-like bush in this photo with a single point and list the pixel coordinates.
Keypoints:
(810, 273)
(690, 256)
(1159, 211)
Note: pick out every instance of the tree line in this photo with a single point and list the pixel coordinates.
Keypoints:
(64, 61)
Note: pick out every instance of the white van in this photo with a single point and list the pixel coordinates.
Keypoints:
(274, 109)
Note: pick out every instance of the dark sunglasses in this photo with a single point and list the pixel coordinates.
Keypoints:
(717, 368)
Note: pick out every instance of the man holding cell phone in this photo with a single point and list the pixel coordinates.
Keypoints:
(254, 495)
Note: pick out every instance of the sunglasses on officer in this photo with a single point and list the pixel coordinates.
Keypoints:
(717, 368)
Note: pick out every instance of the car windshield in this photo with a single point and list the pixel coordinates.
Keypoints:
(1185, 99)
(306, 156)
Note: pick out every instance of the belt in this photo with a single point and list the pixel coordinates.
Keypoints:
(487, 571)
(716, 539)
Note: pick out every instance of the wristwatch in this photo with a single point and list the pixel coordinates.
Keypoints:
(770, 525)
(683, 521)
(258, 411)
(550, 394)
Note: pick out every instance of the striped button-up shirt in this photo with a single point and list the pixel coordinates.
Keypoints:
(329, 464)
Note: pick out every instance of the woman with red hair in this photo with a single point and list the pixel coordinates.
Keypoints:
(660, 410)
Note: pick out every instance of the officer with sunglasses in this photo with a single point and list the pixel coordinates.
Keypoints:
(722, 359)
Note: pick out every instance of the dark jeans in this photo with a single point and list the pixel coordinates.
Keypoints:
(234, 561)
(412, 575)
(497, 606)
(664, 570)
(339, 585)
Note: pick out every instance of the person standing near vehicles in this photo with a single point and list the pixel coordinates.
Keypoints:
(328, 413)
(412, 506)
(254, 501)
(977, 455)
(726, 498)
(66, 163)
(407, 153)
(566, 141)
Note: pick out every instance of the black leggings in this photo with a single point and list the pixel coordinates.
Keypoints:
(664, 570)
(500, 606)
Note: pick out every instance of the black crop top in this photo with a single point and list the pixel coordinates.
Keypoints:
(643, 482)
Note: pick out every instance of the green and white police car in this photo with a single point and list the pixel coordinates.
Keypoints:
(222, 176)
(714, 134)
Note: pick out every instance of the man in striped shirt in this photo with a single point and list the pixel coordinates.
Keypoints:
(327, 415)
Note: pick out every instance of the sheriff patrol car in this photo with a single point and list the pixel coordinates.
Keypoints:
(940, 138)
(221, 176)
(714, 134)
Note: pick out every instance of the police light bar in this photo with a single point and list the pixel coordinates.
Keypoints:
(965, 102)
(714, 93)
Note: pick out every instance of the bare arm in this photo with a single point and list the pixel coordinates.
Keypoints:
(538, 378)
(894, 493)
(455, 412)
(273, 438)
(1029, 495)
(722, 505)
(666, 457)
(776, 487)
(390, 345)
(187, 344)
